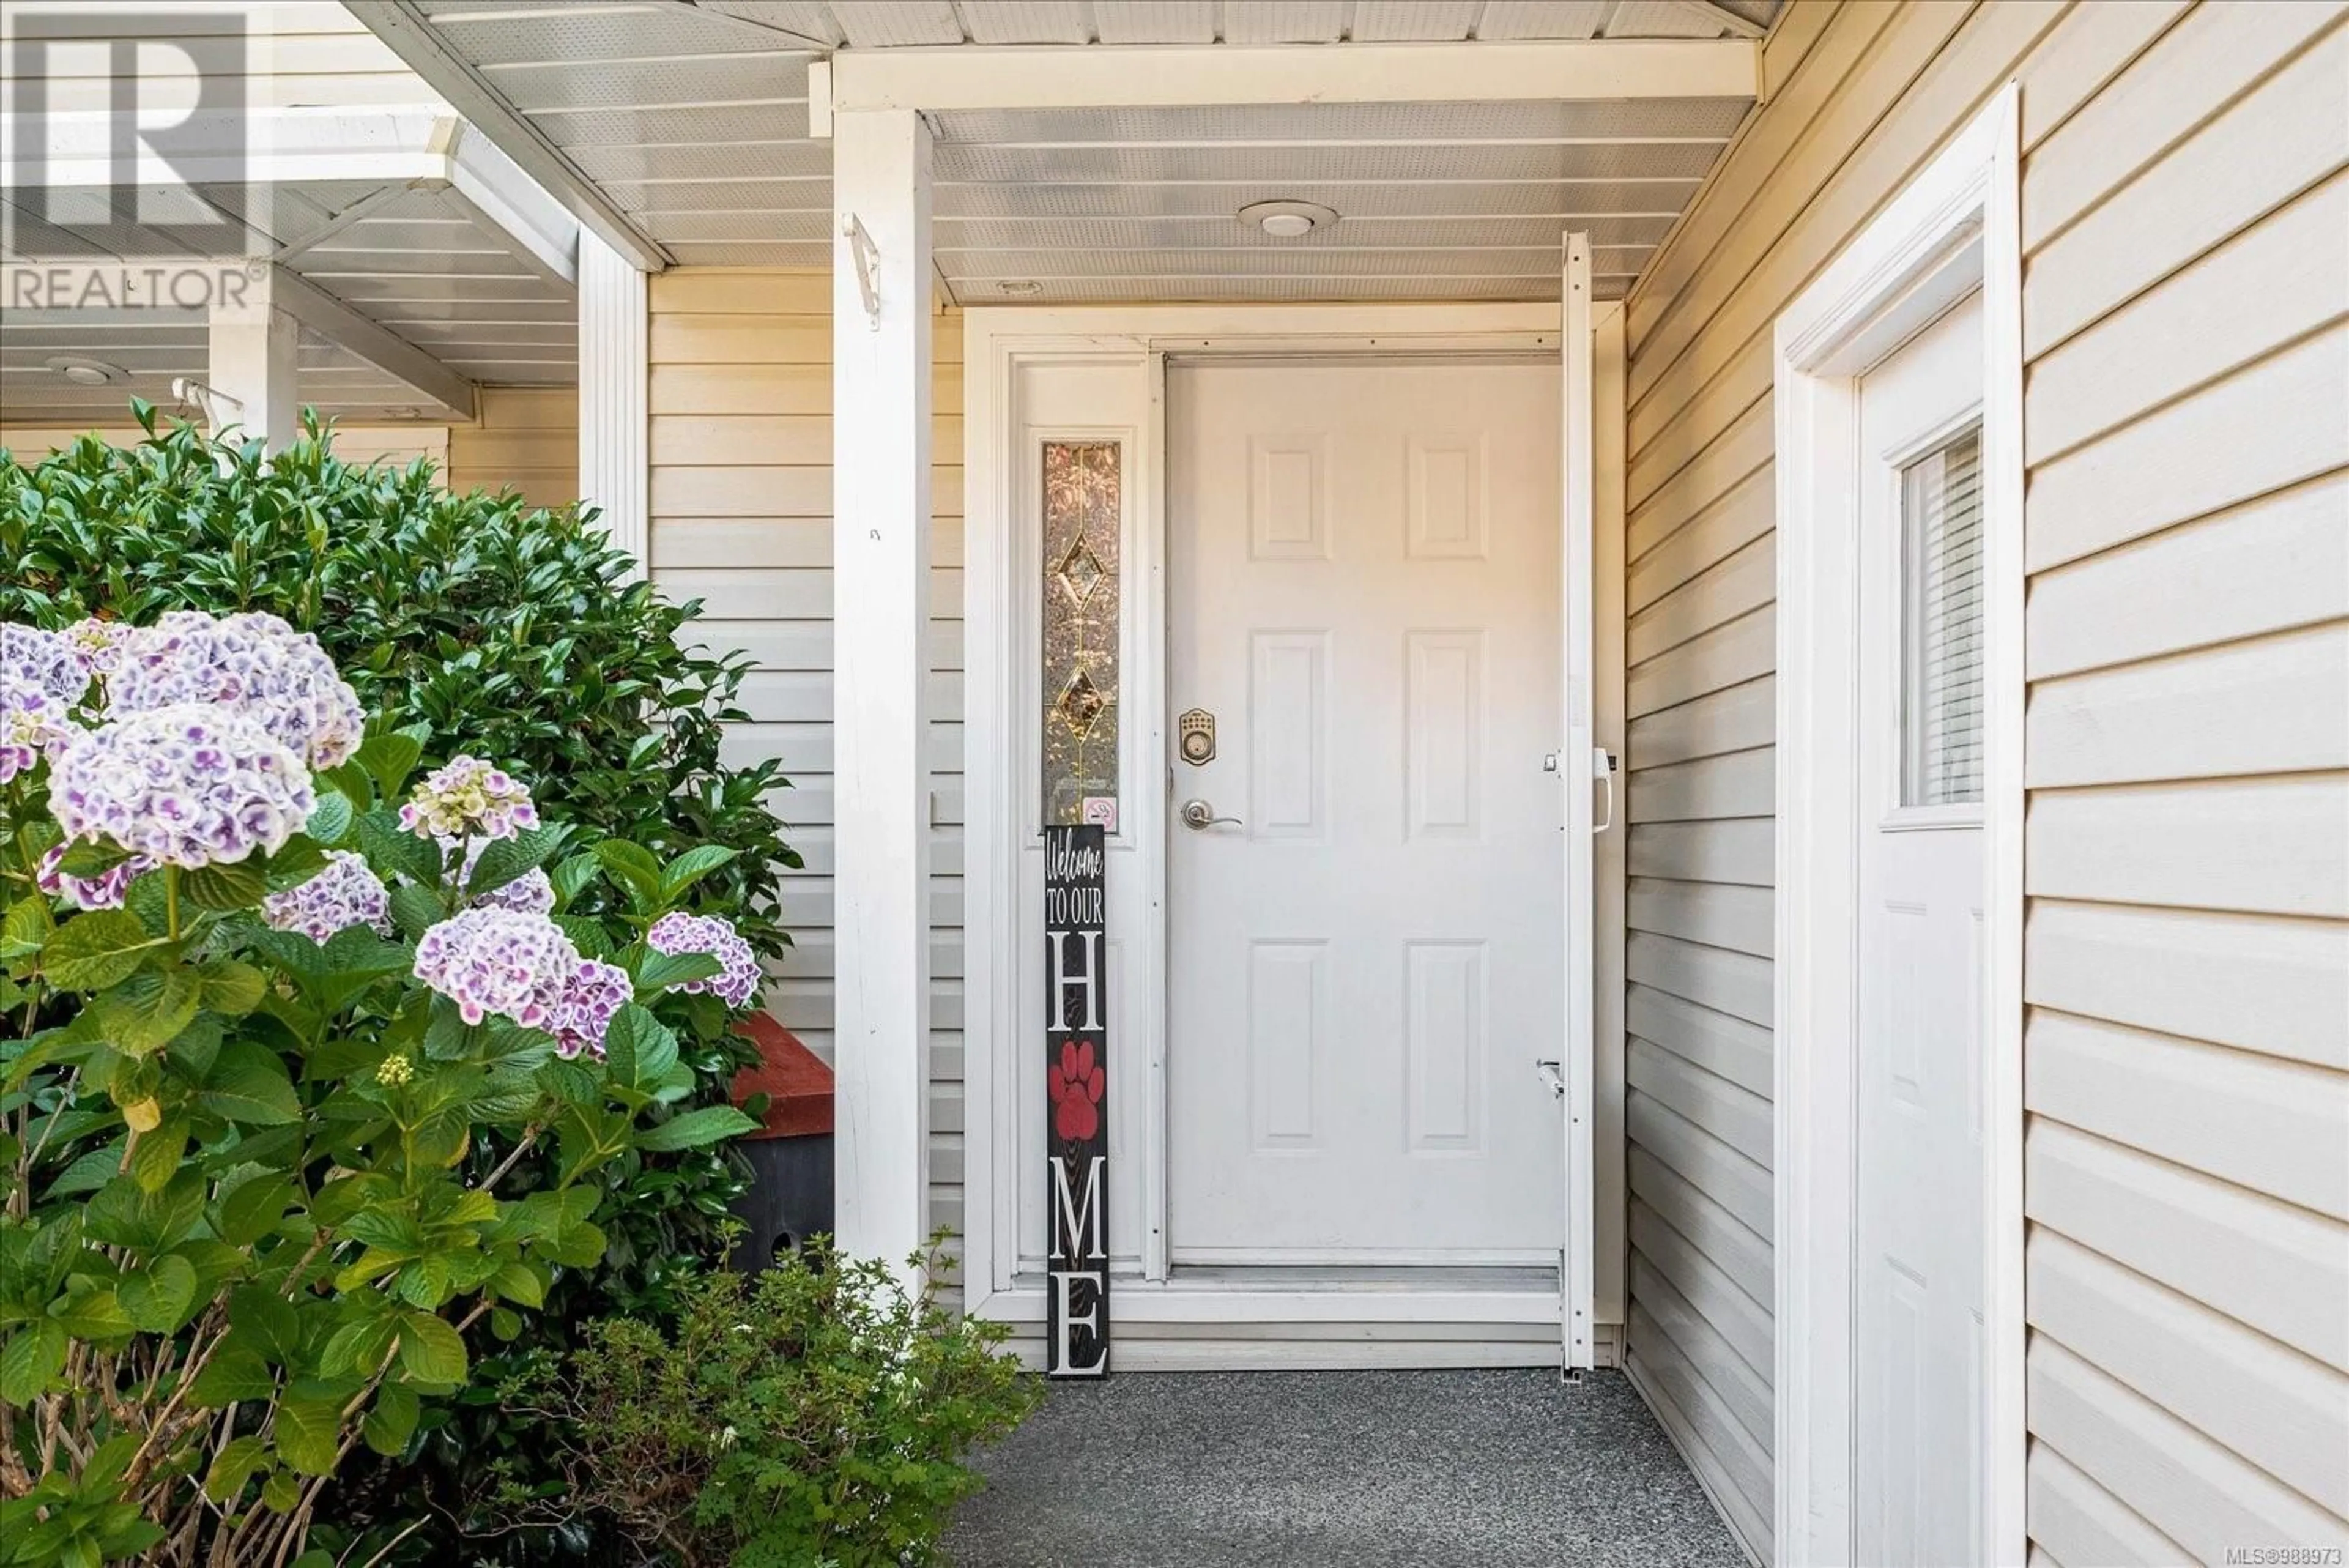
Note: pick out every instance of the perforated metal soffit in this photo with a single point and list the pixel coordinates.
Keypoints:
(695, 127)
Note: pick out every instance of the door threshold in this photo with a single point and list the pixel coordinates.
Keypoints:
(1134, 1302)
(1451, 1279)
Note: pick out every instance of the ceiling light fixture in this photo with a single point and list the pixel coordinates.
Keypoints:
(1287, 219)
(1020, 285)
(83, 372)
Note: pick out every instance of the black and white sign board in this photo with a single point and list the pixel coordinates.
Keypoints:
(1076, 1082)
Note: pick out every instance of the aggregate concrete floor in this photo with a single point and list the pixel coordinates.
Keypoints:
(1352, 1470)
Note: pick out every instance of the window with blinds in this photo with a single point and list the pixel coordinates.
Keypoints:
(1941, 688)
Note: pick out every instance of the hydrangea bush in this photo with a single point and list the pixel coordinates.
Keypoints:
(302, 1110)
(482, 625)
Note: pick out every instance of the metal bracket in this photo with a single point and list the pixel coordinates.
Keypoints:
(216, 408)
(867, 256)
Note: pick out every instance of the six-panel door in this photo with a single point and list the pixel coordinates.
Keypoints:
(1364, 571)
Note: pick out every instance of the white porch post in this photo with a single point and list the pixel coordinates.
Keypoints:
(613, 394)
(253, 358)
(881, 612)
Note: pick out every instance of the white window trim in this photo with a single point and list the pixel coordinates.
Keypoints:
(1954, 229)
(1000, 781)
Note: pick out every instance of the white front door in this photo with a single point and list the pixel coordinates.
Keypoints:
(1920, 1286)
(1365, 929)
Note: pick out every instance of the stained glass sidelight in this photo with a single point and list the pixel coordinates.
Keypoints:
(1081, 622)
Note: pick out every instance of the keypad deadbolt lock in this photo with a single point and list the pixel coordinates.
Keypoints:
(1195, 737)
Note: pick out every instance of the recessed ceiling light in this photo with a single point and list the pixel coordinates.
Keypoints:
(1287, 219)
(83, 372)
(1020, 285)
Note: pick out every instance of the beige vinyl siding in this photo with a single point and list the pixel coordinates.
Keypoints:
(741, 519)
(2186, 229)
(526, 439)
(399, 443)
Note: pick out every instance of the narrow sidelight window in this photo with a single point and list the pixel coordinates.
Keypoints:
(1941, 568)
(1081, 517)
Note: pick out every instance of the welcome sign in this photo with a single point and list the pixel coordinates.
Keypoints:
(1076, 1083)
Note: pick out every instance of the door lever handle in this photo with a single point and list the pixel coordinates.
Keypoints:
(1199, 815)
(1552, 1079)
(1603, 768)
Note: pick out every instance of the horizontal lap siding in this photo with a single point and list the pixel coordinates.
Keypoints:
(2187, 950)
(2186, 229)
(401, 444)
(526, 441)
(741, 520)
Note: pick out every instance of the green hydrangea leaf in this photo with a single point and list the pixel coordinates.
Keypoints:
(657, 972)
(310, 1427)
(415, 909)
(331, 821)
(32, 1359)
(265, 1322)
(390, 847)
(140, 1013)
(25, 928)
(158, 1300)
(694, 1128)
(391, 1420)
(295, 862)
(238, 885)
(94, 1315)
(431, 1352)
(249, 1084)
(253, 1209)
(231, 1376)
(233, 1472)
(503, 860)
(95, 950)
(231, 987)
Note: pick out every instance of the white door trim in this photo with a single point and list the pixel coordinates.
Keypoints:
(1000, 776)
(1578, 409)
(1954, 229)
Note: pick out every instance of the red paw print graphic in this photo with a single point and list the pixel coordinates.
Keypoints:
(1075, 1083)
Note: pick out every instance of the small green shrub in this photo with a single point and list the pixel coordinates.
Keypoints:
(819, 1414)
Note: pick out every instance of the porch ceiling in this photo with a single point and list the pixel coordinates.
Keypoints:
(473, 273)
(689, 120)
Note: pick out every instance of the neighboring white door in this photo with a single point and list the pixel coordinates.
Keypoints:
(1363, 966)
(1918, 1341)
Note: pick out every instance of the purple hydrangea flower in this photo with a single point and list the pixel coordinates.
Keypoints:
(31, 722)
(186, 786)
(253, 663)
(679, 932)
(344, 895)
(107, 890)
(43, 661)
(583, 1013)
(468, 798)
(495, 960)
(98, 644)
(531, 893)
(41, 678)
